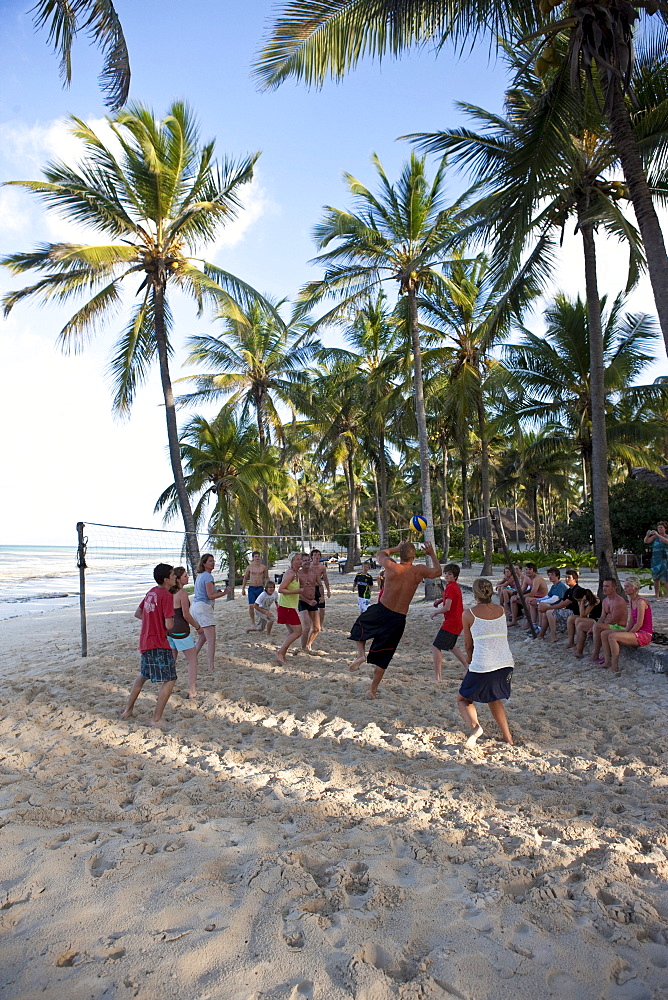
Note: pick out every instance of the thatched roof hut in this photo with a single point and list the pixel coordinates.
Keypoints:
(653, 478)
(525, 525)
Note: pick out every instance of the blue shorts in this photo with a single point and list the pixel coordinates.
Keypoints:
(187, 642)
(254, 593)
(158, 665)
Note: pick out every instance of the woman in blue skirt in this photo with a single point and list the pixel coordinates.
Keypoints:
(490, 663)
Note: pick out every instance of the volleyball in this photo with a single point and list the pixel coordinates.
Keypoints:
(418, 522)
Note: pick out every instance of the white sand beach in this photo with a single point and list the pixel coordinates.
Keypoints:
(288, 839)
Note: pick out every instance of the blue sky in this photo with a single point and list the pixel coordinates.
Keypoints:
(68, 458)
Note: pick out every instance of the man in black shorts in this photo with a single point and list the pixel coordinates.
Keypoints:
(321, 585)
(384, 622)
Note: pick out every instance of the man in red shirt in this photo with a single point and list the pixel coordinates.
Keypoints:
(451, 606)
(156, 612)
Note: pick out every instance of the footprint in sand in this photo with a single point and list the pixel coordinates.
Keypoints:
(60, 841)
(97, 865)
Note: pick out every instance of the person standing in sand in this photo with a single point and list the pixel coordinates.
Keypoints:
(179, 637)
(451, 608)
(202, 606)
(490, 663)
(307, 608)
(384, 622)
(615, 613)
(256, 576)
(658, 539)
(322, 585)
(156, 613)
(289, 592)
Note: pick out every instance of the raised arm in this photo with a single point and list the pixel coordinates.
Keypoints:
(435, 571)
(650, 536)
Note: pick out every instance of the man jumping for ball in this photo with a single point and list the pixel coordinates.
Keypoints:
(385, 621)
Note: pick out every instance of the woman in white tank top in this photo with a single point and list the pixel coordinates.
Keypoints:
(490, 669)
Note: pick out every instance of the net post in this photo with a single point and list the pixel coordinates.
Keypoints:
(81, 563)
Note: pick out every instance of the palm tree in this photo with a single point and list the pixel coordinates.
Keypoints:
(375, 339)
(160, 197)
(336, 408)
(539, 165)
(225, 464)
(554, 376)
(65, 19)
(471, 316)
(254, 364)
(314, 40)
(398, 235)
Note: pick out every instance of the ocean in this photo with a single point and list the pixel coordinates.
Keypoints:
(41, 578)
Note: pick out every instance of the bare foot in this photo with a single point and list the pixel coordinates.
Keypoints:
(613, 670)
(438, 678)
(191, 695)
(569, 645)
(127, 714)
(474, 737)
(281, 659)
(372, 694)
(357, 663)
(159, 724)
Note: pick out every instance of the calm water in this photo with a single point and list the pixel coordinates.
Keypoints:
(39, 578)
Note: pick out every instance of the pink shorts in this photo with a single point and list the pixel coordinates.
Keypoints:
(644, 638)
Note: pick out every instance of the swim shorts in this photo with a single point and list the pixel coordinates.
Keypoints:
(157, 665)
(445, 640)
(254, 593)
(306, 606)
(385, 628)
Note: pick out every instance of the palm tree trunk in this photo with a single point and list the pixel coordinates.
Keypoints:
(379, 523)
(466, 556)
(599, 450)
(517, 528)
(353, 554)
(192, 545)
(431, 587)
(585, 495)
(484, 477)
(262, 438)
(229, 547)
(382, 469)
(621, 129)
(537, 540)
(446, 501)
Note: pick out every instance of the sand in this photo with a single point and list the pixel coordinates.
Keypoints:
(288, 839)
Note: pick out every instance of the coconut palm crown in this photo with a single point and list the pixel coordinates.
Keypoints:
(157, 192)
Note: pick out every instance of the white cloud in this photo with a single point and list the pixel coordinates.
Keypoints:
(255, 203)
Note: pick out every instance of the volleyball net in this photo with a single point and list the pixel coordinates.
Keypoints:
(115, 559)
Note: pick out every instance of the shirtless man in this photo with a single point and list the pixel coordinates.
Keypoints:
(308, 605)
(256, 576)
(537, 588)
(385, 621)
(614, 614)
(322, 584)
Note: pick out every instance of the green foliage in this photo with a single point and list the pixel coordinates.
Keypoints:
(273, 556)
(634, 507)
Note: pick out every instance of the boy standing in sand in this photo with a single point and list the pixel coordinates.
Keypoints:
(156, 612)
(323, 584)
(385, 621)
(256, 576)
(451, 607)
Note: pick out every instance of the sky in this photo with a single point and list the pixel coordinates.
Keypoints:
(66, 458)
